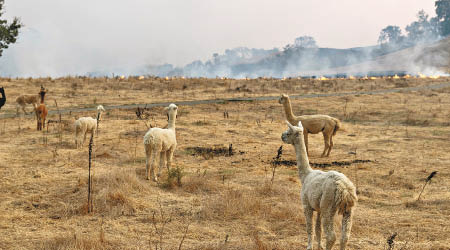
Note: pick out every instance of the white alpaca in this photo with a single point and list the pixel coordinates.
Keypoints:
(323, 192)
(86, 124)
(159, 142)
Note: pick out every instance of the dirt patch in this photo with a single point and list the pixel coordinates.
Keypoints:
(133, 133)
(105, 151)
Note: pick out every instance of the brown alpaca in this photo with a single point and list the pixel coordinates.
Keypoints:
(41, 111)
(313, 124)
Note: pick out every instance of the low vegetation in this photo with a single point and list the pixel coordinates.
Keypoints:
(211, 198)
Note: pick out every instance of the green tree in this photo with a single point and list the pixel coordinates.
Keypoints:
(8, 30)
(307, 42)
(390, 34)
(443, 14)
(423, 29)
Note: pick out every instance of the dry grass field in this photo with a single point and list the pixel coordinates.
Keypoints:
(213, 200)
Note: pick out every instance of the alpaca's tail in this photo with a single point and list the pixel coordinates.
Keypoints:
(337, 125)
(148, 143)
(77, 128)
(345, 195)
(148, 137)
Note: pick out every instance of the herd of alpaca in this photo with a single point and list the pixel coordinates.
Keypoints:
(326, 193)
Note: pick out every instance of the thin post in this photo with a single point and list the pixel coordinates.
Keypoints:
(98, 121)
(90, 207)
(60, 122)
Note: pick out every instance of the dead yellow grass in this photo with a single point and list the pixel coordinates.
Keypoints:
(223, 202)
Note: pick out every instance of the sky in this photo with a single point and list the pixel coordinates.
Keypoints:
(63, 37)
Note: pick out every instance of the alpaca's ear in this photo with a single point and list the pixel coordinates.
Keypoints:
(290, 125)
(166, 108)
(300, 124)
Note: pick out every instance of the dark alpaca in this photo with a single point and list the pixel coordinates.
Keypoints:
(3, 99)
(41, 111)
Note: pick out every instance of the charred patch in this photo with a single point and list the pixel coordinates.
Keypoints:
(319, 165)
(211, 152)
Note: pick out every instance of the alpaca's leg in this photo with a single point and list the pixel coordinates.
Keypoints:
(326, 140)
(162, 162)
(169, 159)
(331, 145)
(328, 226)
(308, 215)
(305, 137)
(148, 152)
(155, 154)
(318, 231)
(84, 137)
(38, 123)
(346, 228)
(76, 138)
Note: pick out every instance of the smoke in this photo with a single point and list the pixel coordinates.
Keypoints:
(26, 59)
(38, 55)
(142, 37)
(429, 58)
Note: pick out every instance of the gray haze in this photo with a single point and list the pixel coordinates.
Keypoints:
(65, 37)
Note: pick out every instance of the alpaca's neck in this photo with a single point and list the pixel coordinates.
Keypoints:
(171, 123)
(99, 115)
(288, 110)
(302, 158)
(42, 97)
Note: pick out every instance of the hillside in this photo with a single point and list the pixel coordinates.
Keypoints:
(427, 59)
(294, 61)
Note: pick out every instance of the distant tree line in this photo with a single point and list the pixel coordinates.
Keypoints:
(423, 30)
(305, 55)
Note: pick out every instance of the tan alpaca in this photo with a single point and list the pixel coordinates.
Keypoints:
(23, 100)
(313, 124)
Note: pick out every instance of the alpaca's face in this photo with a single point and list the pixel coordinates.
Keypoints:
(290, 136)
(283, 99)
(172, 109)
